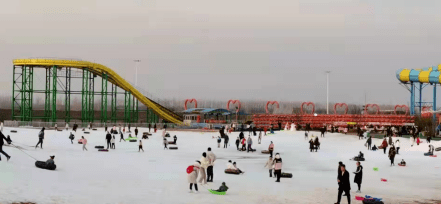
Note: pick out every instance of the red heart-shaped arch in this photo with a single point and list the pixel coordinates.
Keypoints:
(403, 107)
(233, 102)
(341, 105)
(190, 101)
(307, 104)
(272, 103)
(373, 106)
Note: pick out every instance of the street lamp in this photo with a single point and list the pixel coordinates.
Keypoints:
(327, 91)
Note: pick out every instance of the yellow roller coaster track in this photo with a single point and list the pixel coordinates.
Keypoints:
(113, 77)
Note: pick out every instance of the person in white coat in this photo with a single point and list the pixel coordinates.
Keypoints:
(67, 126)
(397, 145)
(269, 165)
(204, 165)
(112, 141)
(211, 159)
(193, 176)
(230, 165)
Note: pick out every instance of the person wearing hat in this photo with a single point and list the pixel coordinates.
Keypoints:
(278, 167)
(40, 139)
(51, 160)
(204, 165)
(192, 176)
(343, 184)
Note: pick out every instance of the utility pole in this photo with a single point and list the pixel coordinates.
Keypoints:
(136, 71)
(327, 91)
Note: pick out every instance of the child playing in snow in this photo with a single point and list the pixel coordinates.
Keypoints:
(140, 146)
(222, 188)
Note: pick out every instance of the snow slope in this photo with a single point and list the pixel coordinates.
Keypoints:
(159, 176)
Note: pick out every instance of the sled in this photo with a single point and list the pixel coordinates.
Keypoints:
(428, 154)
(358, 159)
(286, 175)
(59, 130)
(231, 171)
(265, 151)
(438, 149)
(384, 180)
(99, 147)
(133, 140)
(103, 150)
(432, 156)
(171, 142)
(372, 201)
(146, 133)
(86, 132)
(173, 148)
(94, 129)
(43, 165)
(80, 142)
(359, 198)
(375, 168)
(13, 131)
(145, 137)
(216, 193)
(401, 165)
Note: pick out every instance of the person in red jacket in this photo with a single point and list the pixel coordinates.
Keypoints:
(244, 141)
(418, 141)
(384, 145)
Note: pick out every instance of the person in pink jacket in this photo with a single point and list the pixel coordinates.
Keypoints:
(84, 143)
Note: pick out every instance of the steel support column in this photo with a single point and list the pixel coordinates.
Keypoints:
(47, 95)
(67, 95)
(113, 103)
(412, 98)
(127, 100)
(85, 96)
(104, 98)
(13, 92)
(54, 94)
(91, 97)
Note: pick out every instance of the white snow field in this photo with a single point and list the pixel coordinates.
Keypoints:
(124, 175)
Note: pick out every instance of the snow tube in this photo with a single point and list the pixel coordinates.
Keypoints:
(216, 193)
(103, 150)
(358, 159)
(59, 130)
(286, 175)
(145, 137)
(399, 164)
(372, 201)
(359, 198)
(375, 168)
(167, 135)
(231, 171)
(86, 132)
(13, 131)
(428, 154)
(80, 142)
(43, 165)
(94, 129)
(173, 148)
(265, 151)
(133, 140)
(438, 149)
(171, 142)
(146, 133)
(432, 156)
(99, 147)
(384, 180)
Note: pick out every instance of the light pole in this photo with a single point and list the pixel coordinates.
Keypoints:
(136, 71)
(327, 91)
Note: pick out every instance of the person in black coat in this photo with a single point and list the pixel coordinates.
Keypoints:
(241, 135)
(358, 176)
(343, 184)
(108, 138)
(136, 131)
(175, 139)
(222, 132)
(369, 142)
(2, 137)
(322, 131)
(311, 145)
(226, 138)
(150, 126)
(40, 139)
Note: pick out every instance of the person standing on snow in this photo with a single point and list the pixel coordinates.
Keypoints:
(219, 140)
(358, 176)
(271, 148)
(67, 126)
(384, 145)
(140, 146)
(2, 137)
(40, 139)
(243, 144)
(343, 184)
(269, 165)
(113, 142)
(226, 138)
(390, 140)
(250, 142)
(369, 142)
(241, 135)
(278, 167)
(150, 126)
(204, 165)
(108, 138)
(175, 139)
(71, 137)
(311, 145)
(193, 176)
(165, 143)
(392, 155)
(154, 127)
(84, 143)
(122, 137)
(259, 140)
(136, 131)
(397, 145)
(211, 159)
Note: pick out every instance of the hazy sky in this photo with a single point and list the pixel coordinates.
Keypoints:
(230, 49)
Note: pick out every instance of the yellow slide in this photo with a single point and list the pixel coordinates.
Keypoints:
(113, 77)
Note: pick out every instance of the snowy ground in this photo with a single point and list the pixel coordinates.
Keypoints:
(159, 176)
